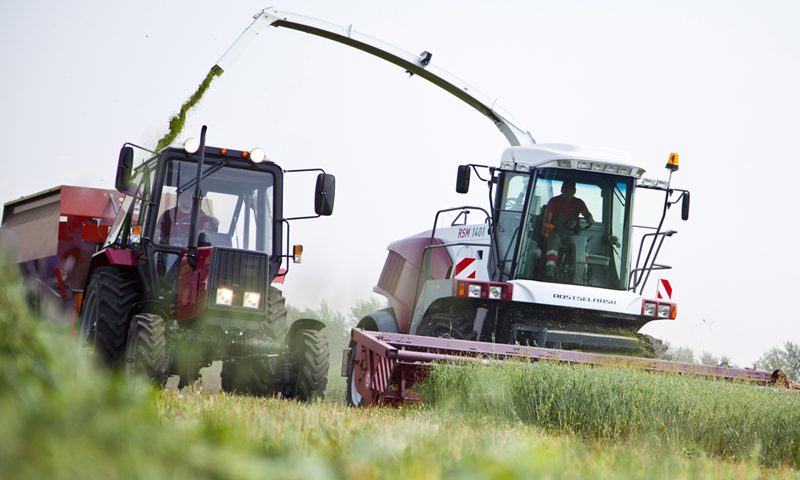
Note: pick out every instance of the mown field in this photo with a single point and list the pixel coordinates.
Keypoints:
(62, 418)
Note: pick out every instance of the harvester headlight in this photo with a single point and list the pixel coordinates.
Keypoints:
(598, 167)
(495, 292)
(649, 309)
(521, 167)
(664, 310)
(251, 300)
(257, 155)
(224, 296)
(564, 164)
(191, 145)
(624, 170)
(507, 165)
(474, 291)
(584, 165)
(612, 169)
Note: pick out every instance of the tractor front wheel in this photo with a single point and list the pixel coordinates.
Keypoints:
(146, 349)
(311, 356)
(105, 317)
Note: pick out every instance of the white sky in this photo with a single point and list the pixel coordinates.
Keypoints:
(716, 82)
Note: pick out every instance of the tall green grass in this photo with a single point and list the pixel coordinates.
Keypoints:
(729, 420)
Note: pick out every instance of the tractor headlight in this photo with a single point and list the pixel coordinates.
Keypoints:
(649, 309)
(495, 292)
(251, 300)
(224, 296)
(664, 310)
(474, 291)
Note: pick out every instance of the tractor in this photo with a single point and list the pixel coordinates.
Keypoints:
(184, 273)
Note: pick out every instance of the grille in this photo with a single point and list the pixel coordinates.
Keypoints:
(243, 271)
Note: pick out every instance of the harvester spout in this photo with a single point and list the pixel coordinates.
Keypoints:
(413, 64)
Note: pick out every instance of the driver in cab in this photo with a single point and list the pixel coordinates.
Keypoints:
(560, 221)
(174, 223)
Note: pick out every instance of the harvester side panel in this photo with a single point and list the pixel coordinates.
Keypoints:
(400, 280)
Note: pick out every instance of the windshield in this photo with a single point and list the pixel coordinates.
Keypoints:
(577, 229)
(236, 210)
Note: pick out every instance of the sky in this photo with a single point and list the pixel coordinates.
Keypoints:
(716, 82)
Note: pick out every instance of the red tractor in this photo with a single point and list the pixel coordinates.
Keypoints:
(184, 275)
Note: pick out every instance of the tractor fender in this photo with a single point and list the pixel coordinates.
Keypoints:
(380, 321)
(303, 324)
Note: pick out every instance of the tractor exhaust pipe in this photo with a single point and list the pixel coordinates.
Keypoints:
(197, 199)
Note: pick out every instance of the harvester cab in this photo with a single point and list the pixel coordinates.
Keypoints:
(184, 276)
(552, 264)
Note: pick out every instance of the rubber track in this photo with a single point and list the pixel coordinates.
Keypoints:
(117, 292)
(150, 357)
(312, 365)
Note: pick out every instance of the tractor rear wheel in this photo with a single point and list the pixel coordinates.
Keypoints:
(311, 357)
(146, 349)
(248, 377)
(105, 317)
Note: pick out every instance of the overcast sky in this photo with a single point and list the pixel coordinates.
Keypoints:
(716, 82)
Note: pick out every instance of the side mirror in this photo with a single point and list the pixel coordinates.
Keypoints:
(324, 194)
(124, 170)
(685, 206)
(462, 181)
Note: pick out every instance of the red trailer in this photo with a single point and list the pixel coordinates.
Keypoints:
(54, 233)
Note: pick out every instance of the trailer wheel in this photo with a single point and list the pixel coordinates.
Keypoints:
(105, 316)
(277, 315)
(248, 377)
(354, 399)
(447, 326)
(146, 349)
(311, 358)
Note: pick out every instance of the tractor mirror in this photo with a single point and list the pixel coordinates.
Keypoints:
(685, 206)
(124, 170)
(462, 181)
(324, 194)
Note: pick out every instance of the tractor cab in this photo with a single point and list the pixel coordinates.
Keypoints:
(216, 210)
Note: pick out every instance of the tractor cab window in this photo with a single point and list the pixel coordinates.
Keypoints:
(236, 210)
(127, 226)
(577, 229)
(511, 202)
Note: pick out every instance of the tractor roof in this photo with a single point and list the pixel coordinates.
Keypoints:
(541, 154)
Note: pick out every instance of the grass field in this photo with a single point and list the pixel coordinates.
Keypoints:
(62, 418)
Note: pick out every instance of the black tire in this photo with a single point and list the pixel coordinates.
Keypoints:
(311, 357)
(248, 377)
(146, 348)
(446, 326)
(106, 313)
(277, 315)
